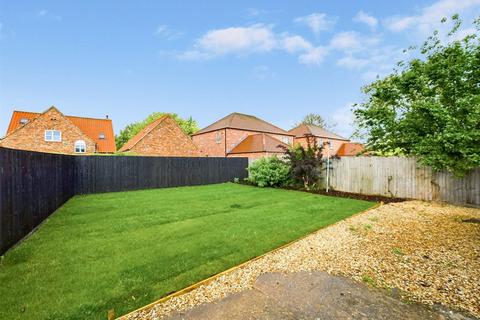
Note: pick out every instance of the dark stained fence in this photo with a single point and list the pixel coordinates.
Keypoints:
(116, 173)
(33, 184)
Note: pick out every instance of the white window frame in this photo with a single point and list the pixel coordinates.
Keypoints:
(23, 121)
(101, 136)
(51, 137)
(81, 146)
(285, 140)
(330, 144)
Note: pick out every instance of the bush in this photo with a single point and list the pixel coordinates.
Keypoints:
(305, 163)
(269, 172)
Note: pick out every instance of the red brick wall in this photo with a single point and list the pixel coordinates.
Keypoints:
(32, 135)
(167, 140)
(335, 144)
(207, 143)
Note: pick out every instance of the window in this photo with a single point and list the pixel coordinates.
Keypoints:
(330, 145)
(286, 140)
(53, 135)
(80, 146)
(218, 137)
(101, 136)
(320, 141)
(23, 121)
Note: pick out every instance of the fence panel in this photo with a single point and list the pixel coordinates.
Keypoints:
(403, 178)
(113, 173)
(33, 184)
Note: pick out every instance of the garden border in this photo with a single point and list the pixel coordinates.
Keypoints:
(215, 276)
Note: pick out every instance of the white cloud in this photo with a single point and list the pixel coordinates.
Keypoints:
(351, 62)
(193, 55)
(369, 20)
(257, 38)
(46, 14)
(317, 22)
(346, 40)
(429, 17)
(295, 43)
(398, 24)
(344, 120)
(237, 40)
(165, 32)
(313, 56)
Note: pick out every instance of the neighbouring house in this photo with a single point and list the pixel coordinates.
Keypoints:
(334, 144)
(163, 137)
(51, 131)
(242, 135)
(349, 149)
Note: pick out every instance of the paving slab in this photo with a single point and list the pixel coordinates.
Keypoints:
(312, 295)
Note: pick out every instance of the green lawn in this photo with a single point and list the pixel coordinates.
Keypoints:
(124, 250)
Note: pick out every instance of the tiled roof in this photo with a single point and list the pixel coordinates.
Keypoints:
(91, 127)
(350, 149)
(305, 129)
(259, 143)
(244, 122)
(139, 136)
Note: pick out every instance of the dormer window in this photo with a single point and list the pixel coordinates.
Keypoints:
(23, 121)
(53, 135)
(101, 136)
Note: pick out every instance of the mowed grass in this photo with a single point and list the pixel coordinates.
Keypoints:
(124, 250)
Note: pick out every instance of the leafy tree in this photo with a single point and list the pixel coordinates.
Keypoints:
(189, 126)
(429, 107)
(269, 172)
(305, 163)
(316, 120)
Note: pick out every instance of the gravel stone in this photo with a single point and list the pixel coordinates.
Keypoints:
(424, 252)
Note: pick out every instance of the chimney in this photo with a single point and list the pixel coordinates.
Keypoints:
(106, 116)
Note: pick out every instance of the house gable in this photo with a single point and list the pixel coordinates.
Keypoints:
(99, 130)
(31, 136)
(163, 137)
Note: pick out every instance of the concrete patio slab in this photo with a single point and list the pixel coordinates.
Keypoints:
(312, 295)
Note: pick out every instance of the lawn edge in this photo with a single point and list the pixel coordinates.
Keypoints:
(215, 276)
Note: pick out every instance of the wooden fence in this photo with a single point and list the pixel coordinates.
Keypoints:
(403, 178)
(33, 184)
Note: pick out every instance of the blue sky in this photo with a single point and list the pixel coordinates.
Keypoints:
(278, 60)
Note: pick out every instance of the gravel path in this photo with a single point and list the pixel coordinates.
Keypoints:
(426, 250)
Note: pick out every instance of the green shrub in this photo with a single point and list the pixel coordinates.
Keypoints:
(269, 172)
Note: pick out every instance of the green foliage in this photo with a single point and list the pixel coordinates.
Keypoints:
(316, 120)
(305, 163)
(269, 172)
(189, 126)
(429, 107)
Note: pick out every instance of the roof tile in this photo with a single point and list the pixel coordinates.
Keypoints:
(91, 127)
(244, 122)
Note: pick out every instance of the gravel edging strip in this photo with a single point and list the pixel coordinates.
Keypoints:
(218, 275)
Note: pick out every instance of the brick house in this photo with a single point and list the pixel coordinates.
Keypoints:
(51, 131)
(349, 149)
(163, 137)
(338, 145)
(241, 135)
